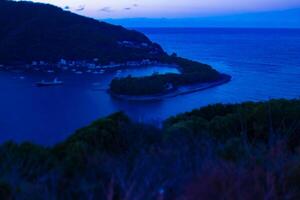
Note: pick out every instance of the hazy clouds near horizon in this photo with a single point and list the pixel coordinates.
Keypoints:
(169, 9)
(269, 19)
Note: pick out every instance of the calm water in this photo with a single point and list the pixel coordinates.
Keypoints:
(264, 64)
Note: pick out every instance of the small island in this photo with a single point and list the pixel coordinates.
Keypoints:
(194, 77)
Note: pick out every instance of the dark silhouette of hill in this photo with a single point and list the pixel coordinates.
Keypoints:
(34, 31)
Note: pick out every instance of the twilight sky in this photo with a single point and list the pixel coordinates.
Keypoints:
(169, 8)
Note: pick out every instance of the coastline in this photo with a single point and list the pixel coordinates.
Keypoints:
(182, 90)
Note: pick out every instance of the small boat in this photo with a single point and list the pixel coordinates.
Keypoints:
(78, 72)
(49, 83)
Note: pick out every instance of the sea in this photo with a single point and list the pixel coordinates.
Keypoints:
(264, 64)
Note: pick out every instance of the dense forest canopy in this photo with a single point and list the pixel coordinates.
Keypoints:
(34, 31)
(191, 73)
(237, 152)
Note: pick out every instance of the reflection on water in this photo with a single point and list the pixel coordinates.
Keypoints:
(147, 71)
(263, 63)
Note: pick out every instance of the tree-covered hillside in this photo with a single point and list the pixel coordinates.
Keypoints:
(33, 31)
(159, 84)
(232, 152)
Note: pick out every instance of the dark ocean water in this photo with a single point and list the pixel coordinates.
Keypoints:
(264, 64)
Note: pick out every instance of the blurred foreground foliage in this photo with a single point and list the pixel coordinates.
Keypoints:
(242, 151)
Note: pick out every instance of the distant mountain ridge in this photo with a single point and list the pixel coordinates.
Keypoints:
(34, 31)
(289, 18)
